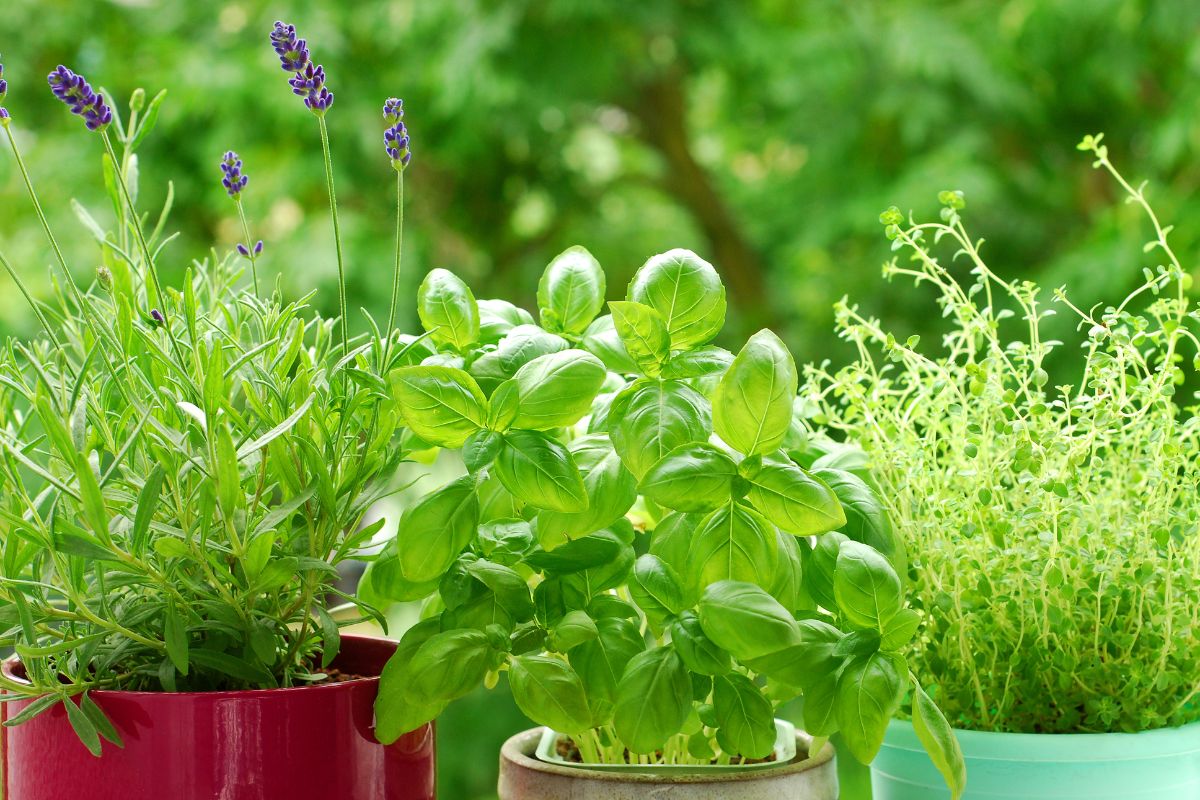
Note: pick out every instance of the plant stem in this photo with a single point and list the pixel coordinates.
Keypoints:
(337, 233)
(391, 318)
(249, 247)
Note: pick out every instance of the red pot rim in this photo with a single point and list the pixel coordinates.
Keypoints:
(8, 665)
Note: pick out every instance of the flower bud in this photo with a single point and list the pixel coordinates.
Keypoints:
(104, 278)
(138, 101)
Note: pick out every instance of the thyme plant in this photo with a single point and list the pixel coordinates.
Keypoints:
(1052, 527)
(182, 469)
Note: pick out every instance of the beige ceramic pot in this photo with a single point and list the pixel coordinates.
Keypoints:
(524, 777)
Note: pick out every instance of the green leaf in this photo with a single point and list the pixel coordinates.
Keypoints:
(752, 405)
(432, 533)
(504, 405)
(733, 543)
(252, 674)
(686, 291)
(745, 718)
(37, 706)
(99, 720)
(541, 472)
(868, 696)
(442, 405)
(571, 291)
(656, 589)
(820, 567)
(449, 665)
(939, 741)
(398, 709)
(550, 692)
(510, 589)
(481, 449)
(652, 418)
(610, 487)
(331, 637)
(557, 390)
(794, 500)
(575, 628)
(643, 334)
(867, 520)
(652, 700)
(602, 340)
(498, 317)
(577, 555)
(900, 630)
(744, 620)
(94, 510)
(700, 654)
(806, 664)
(693, 477)
(601, 662)
(448, 310)
(867, 589)
(83, 726)
(147, 503)
(698, 363)
(78, 543)
(819, 700)
(175, 635)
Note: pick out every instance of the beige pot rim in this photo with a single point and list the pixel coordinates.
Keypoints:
(518, 753)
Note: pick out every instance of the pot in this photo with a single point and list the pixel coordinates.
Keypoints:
(524, 777)
(309, 743)
(1162, 764)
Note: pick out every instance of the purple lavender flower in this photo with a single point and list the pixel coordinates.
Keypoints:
(3, 84)
(234, 181)
(395, 138)
(73, 90)
(4, 116)
(293, 52)
(258, 248)
(393, 110)
(308, 80)
(157, 316)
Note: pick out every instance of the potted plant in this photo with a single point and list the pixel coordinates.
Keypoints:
(183, 469)
(1049, 504)
(631, 543)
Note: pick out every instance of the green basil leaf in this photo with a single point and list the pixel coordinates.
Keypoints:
(652, 418)
(571, 291)
(432, 533)
(656, 589)
(523, 344)
(733, 543)
(609, 485)
(541, 472)
(644, 335)
(505, 541)
(601, 662)
(900, 630)
(448, 310)
(806, 664)
(687, 292)
(787, 582)
(794, 500)
(384, 583)
(700, 654)
(693, 477)
(602, 340)
(820, 567)
(819, 700)
(672, 539)
(867, 520)
(498, 317)
(449, 665)
(481, 449)
(557, 390)
(511, 590)
(575, 628)
(745, 718)
(744, 620)
(652, 701)
(939, 741)
(867, 589)
(700, 363)
(868, 696)
(442, 405)
(752, 405)
(550, 693)
(398, 709)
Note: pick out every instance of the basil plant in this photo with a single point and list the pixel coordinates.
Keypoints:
(630, 540)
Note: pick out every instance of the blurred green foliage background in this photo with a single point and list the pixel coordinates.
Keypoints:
(767, 135)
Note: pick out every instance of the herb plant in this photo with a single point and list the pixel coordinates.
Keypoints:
(182, 469)
(631, 541)
(1052, 526)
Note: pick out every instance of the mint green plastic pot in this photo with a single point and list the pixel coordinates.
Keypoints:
(1162, 764)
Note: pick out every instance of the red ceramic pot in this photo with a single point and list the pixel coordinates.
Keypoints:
(311, 743)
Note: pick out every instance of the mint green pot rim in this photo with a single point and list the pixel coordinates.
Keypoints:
(1058, 747)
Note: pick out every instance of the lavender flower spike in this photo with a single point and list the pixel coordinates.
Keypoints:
(73, 90)
(309, 78)
(234, 181)
(395, 138)
(3, 84)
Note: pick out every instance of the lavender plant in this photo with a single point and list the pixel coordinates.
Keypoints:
(182, 468)
(1053, 528)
